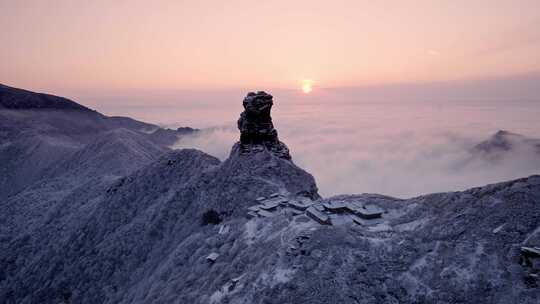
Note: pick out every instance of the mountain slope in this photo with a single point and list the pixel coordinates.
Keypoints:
(505, 142)
(120, 219)
(116, 152)
(13, 98)
(40, 131)
(144, 240)
(155, 207)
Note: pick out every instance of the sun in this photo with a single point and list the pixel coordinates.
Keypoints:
(306, 86)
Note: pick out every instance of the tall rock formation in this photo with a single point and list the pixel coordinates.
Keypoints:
(256, 128)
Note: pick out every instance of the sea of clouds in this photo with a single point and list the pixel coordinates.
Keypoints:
(398, 148)
(401, 141)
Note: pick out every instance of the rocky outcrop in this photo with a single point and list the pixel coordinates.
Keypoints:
(17, 99)
(256, 128)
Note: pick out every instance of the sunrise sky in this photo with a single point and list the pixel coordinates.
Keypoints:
(120, 45)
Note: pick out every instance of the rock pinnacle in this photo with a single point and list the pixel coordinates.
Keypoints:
(256, 128)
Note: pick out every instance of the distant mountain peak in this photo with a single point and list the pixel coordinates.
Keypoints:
(19, 99)
(502, 133)
(504, 141)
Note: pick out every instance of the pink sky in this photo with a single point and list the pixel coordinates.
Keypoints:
(153, 45)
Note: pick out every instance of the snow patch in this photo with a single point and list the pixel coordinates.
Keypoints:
(412, 225)
(496, 230)
(380, 227)
(283, 275)
(250, 231)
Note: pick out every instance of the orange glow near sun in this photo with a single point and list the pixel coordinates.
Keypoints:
(306, 86)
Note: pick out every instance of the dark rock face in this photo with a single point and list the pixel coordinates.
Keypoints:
(256, 128)
(17, 99)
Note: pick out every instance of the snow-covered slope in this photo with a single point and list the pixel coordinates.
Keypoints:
(146, 215)
(144, 240)
(115, 152)
(121, 219)
(42, 136)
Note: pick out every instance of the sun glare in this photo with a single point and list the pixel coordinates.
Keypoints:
(306, 86)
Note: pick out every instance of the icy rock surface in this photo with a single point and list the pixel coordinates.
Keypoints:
(256, 128)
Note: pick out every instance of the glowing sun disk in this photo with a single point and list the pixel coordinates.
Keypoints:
(306, 86)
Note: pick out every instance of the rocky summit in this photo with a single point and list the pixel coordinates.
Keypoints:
(256, 128)
(113, 216)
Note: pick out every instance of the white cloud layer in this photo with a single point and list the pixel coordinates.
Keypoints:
(401, 149)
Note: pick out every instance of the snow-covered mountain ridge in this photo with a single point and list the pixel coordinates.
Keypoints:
(40, 133)
(13, 98)
(113, 216)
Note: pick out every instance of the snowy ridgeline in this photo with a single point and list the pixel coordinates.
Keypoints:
(144, 239)
(439, 248)
(99, 210)
(44, 136)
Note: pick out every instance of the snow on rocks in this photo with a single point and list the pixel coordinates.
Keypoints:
(257, 131)
(324, 212)
(254, 208)
(227, 289)
(224, 229)
(212, 257)
(368, 212)
(318, 216)
(335, 206)
(264, 213)
(272, 204)
(533, 252)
